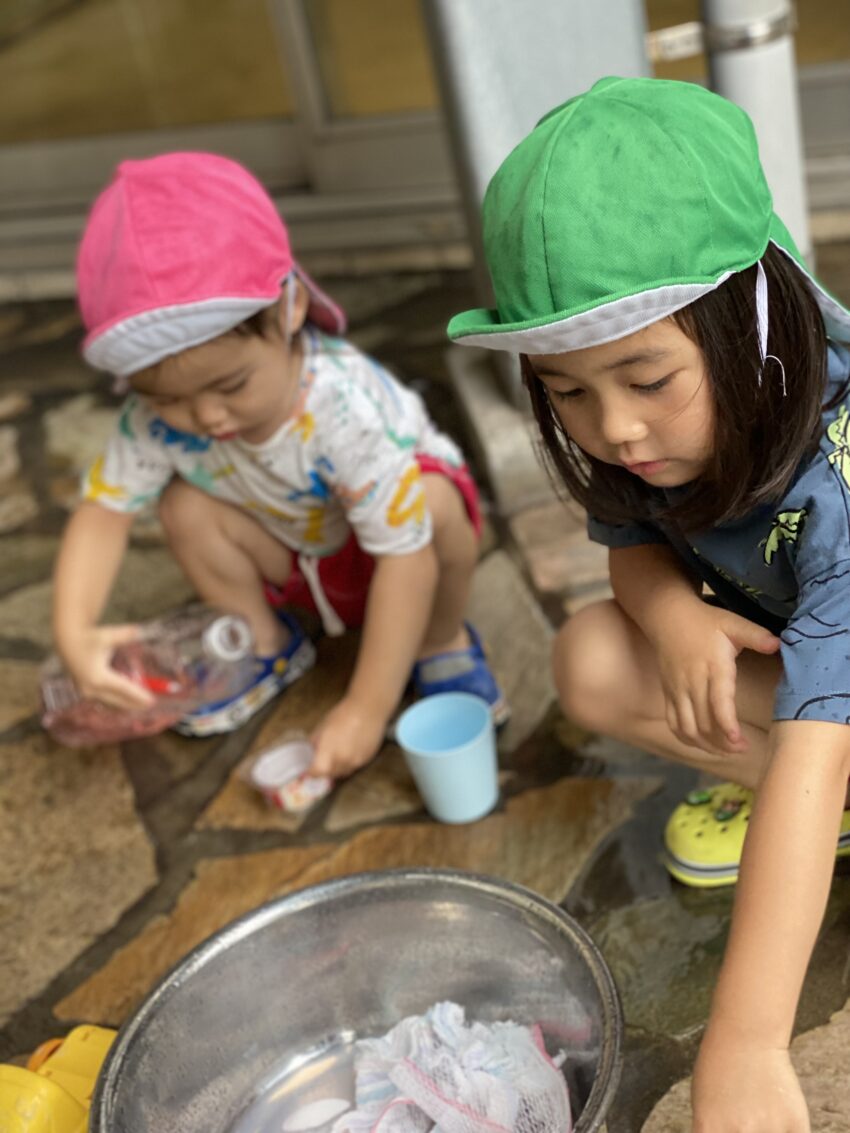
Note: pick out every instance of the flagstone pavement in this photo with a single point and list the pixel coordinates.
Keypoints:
(115, 861)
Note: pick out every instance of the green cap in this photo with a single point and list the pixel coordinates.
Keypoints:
(622, 206)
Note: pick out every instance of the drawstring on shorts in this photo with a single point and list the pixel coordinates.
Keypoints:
(332, 623)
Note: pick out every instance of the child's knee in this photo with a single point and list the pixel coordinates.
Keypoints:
(180, 507)
(454, 535)
(588, 664)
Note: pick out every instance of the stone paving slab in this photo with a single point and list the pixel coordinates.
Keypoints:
(150, 582)
(73, 857)
(26, 559)
(599, 592)
(77, 430)
(685, 936)
(10, 460)
(17, 506)
(60, 369)
(157, 764)
(517, 638)
(300, 708)
(19, 699)
(504, 437)
(541, 839)
(560, 558)
(13, 405)
(383, 790)
(820, 1059)
(220, 891)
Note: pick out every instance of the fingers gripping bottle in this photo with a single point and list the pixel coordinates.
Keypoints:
(196, 655)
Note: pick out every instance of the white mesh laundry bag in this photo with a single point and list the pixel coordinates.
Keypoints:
(435, 1072)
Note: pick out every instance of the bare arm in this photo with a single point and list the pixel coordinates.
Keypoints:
(696, 645)
(400, 599)
(653, 585)
(89, 558)
(743, 1073)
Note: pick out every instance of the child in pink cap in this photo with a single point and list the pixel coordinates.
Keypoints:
(288, 467)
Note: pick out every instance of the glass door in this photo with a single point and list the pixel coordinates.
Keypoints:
(366, 92)
(87, 83)
(332, 103)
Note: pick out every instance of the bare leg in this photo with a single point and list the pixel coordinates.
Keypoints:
(608, 681)
(456, 546)
(226, 555)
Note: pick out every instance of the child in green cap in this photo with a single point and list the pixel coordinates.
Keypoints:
(691, 387)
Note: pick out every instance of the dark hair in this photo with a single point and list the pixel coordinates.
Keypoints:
(761, 435)
(261, 324)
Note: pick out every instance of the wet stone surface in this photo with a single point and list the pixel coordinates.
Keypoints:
(539, 839)
(115, 862)
(68, 871)
(820, 1059)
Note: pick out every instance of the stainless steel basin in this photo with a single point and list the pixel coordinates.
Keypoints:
(265, 1001)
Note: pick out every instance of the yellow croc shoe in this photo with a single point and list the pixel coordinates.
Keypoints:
(705, 835)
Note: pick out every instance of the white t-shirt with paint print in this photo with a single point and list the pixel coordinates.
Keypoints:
(344, 460)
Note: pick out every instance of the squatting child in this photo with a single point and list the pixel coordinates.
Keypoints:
(688, 378)
(289, 468)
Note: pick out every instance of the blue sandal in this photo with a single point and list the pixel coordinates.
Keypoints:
(271, 676)
(462, 670)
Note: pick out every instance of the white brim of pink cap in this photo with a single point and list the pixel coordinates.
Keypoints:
(145, 338)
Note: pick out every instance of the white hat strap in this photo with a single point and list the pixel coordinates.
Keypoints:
(762, 322)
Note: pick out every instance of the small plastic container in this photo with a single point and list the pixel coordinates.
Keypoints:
(279, 773)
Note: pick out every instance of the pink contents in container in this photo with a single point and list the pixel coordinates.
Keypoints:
(280, 774)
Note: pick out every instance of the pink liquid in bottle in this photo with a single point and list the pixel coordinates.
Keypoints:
(195, 656)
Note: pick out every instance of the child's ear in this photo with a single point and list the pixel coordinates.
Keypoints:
(292, 312)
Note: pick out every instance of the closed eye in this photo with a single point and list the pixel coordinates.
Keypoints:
(233, 388)
(653, 387)
(565, 394)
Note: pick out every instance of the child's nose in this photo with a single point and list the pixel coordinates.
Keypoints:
(208, 412)
(619, 425)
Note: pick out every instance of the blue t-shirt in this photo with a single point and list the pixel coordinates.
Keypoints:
(785, 565)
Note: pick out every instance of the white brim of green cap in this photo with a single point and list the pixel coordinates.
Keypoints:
(605, 323)
(619, 317)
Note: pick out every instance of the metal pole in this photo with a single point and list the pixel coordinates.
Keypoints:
(751, 57)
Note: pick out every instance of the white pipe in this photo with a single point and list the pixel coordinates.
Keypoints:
(762, 79)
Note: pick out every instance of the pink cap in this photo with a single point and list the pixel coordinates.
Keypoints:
(178, 249)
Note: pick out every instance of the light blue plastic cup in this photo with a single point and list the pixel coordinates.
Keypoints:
(449, 744)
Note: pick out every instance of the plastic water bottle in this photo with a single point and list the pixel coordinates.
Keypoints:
(196, 655)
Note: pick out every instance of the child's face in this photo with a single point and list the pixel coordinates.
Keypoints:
(235, 385)
(643, 402)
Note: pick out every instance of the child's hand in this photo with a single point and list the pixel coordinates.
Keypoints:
(740, 1087)
(697, 661)
(347, 738)
(88, 657)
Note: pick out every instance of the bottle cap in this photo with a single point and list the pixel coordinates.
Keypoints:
(228, 638)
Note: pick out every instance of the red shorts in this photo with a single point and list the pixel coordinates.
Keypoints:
(346, 575)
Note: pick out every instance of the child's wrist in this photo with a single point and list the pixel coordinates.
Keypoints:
(741, 1017)
(670, 611)
(370, 705)
(733, 1033)
(68, 632)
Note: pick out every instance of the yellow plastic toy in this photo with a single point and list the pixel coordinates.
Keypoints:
(53, 1093)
